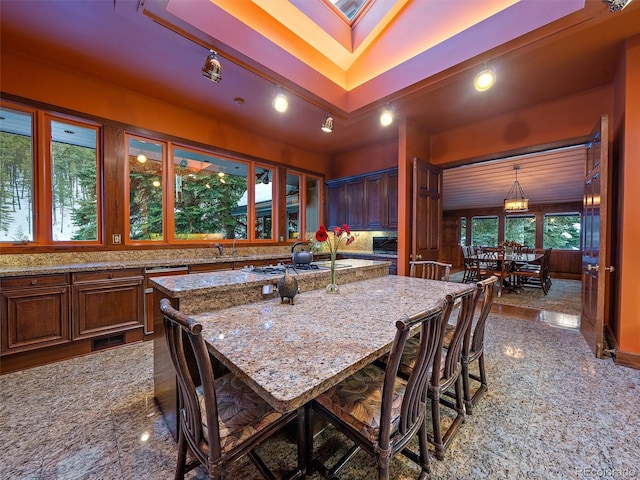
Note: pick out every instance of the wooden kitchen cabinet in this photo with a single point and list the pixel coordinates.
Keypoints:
(355, 201)
(34, 312)
(105, 302)
(365, 202)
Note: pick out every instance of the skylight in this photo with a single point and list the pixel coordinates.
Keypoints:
(349, 8)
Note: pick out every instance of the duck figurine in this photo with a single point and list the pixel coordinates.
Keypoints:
(287, 286)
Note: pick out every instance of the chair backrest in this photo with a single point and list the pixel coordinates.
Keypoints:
(412, 411)
(177, 328)
(429, 269)
(486, 292)
(444, 369)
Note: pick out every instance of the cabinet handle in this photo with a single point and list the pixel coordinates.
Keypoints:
(110, 276)
(34, 281)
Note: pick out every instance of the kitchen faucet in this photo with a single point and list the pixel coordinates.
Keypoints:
(220, 248)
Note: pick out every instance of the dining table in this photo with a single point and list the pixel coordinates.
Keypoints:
(506, 263)
(289, 354)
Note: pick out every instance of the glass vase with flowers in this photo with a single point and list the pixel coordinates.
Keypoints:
(339, 235)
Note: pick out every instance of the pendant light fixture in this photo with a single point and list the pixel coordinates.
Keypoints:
(516, 201)
(327, 123)
(212, 68)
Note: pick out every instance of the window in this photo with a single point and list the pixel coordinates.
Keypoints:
(66, 207)
(562, 231)
(292, 195)
(16, 176)
(146, 189)
(263, 199)
(463, 231)
(312, 205)
(484, 231)
(520, 229)
(210, 197)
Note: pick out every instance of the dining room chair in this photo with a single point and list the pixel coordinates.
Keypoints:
(447, 371)
(220, 419)
(536, 274)
(430, 270)
(381, 412)
(473, 343)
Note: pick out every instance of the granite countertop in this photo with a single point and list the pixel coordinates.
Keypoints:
(291, 353)
(178, 286)
(130, 263)
(177, 261)
(363, 253)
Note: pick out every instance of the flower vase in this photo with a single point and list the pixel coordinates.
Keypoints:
(333, 286)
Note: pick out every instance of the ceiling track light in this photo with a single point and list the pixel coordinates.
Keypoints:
(616, 5)
(327, 123)
(280, 102)
(386, 117)
(212, 68)
(485, 79)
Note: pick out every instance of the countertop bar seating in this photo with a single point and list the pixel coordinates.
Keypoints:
(289, 354)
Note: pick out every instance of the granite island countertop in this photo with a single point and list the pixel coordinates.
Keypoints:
(291, 353)
(197, 292)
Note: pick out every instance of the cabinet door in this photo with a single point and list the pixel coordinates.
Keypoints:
(34, 318)
(100, 308)
(392, 200)
(376, 201)
(336, 204)
(355, 204)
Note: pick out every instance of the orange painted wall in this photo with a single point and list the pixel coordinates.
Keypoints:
(558, 120)
(629, 294)
(104, 99)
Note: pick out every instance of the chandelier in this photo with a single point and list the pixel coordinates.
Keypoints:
(516, 201)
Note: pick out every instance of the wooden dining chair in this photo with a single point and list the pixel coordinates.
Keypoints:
(430, 270)
(447, 370)
(221, 419)
(381, 412)
(473, 343)
(536, 274)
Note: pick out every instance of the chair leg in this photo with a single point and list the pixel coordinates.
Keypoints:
(435, 420)
(182, 456)
(424, 452)
(466, 388)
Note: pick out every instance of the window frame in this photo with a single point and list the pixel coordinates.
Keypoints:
(42, 182)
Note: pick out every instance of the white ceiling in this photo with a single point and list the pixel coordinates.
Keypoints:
(552, 176)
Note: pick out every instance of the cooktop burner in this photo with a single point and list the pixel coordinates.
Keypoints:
(280, 268)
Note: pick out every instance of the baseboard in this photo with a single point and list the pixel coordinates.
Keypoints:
(627, 359)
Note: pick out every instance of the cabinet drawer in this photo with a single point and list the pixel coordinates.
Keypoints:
(33, 281)
(106, 275)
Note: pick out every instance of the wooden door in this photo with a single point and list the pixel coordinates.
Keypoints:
(427, 211)
(596, 255)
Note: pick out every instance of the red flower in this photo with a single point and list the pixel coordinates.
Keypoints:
(339, 234)
(321, 234)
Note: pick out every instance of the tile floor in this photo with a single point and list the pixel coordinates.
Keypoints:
(552, 411)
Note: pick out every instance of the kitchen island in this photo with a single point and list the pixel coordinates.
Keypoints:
(216, 292)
